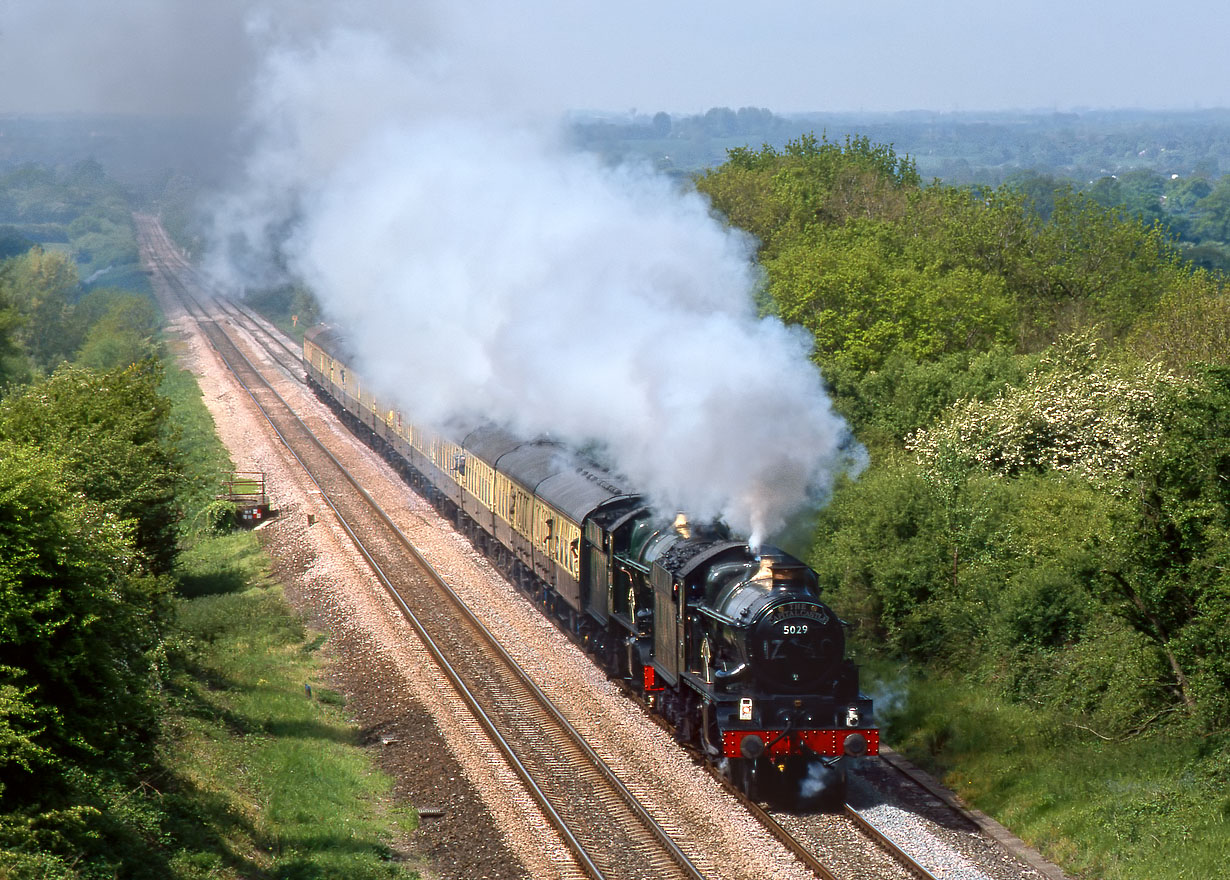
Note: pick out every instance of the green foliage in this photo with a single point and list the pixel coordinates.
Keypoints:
(293, 308)
(81, 624)
(1211, 214)
(251, 779)
(202, 460)
(93, 668)
(876, 553)
(1065, 539)
(13, 242)
(864, 298)
(109, 432)
(1150, 806)
(20, 729)
(47, 312)
(778, 195)
(1081, 266)
(1074, 413)
(40, 285)
(1118, 266)
(13, 362)
(1167, 562)
(1190, 325)
(82, 222)
(124, 333)
(903, 395)
(874, 265)
(1039, 191)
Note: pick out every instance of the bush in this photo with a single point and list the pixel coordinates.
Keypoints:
(1074, 413)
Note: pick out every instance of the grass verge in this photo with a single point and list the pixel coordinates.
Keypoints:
(261, 780)
(271, 776)
(1155, 805)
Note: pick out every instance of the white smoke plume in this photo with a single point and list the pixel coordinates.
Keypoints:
(481, 268)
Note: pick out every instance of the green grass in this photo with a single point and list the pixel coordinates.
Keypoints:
(206, 463)
(250, 776)
(264, 781)
(267, 782)
(273, 778)
(1156, 805)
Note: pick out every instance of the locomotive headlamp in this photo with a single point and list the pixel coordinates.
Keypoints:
(751, 746)
(853, 716)
(745, 709)
(855, 745)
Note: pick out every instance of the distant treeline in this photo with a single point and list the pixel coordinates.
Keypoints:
(956, 147)
(1167, 168)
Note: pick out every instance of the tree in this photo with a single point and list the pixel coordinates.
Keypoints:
(1078, 413)
(1183, 193)
(1189, 326)
(1168, 565)
(1039, 190)
(12, 242)
(109, 432)
(1142, 191)
(1211, 214)
(13, 363)
(41, 285)
(812, 182)
(720, 122)
(858, 291)
(123, 334)
(1106, 192)
(79, 628)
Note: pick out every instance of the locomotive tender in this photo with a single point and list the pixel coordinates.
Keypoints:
(732, 646)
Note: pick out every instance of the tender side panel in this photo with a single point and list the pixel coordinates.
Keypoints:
(667, 629)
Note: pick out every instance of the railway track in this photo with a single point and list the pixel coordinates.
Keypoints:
(598, 816)
(602, 822)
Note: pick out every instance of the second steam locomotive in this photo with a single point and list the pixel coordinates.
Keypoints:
(732, 646)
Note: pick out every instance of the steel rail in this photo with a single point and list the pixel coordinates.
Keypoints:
(887, 844)
(775, 829)
(468, 697)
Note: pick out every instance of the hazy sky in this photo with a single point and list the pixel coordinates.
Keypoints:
(683, 57)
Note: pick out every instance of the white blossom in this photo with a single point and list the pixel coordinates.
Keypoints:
(1075, 413)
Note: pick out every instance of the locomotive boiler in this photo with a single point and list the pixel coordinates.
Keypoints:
(732, 645)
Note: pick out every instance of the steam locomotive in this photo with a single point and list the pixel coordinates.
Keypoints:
(732, 646)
